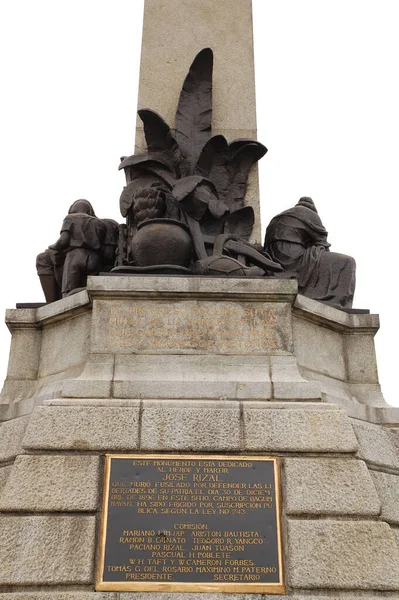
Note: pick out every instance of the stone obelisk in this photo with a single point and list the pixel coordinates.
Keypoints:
(174, 32)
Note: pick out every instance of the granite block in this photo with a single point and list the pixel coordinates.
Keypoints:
(11, 434)
(377, 445)
(84, 428)
(197, 596)
(313, 430)
(52, 483)
(64, 344)
(388, 491)
(329, 486)
(59, 595)
(23, 362)
(287, 382)
(195, 425)
(4, 474)
(179, 376)
(94, 381)
(361, 361)
(196, 288)
(47, 550)
(342, 554)
(319, 349)
(58, 311)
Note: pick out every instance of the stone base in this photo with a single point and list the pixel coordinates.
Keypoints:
(340, 518)
(197, 365)
(153, 337)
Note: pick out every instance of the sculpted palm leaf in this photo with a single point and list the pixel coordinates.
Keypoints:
(240, 222)
(160, 139)
(236, 145)
(243, 154)
(194, 111)
(213, 163)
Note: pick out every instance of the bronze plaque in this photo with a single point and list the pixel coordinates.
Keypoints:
(177, 523)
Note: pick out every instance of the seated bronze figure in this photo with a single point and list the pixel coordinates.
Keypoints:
(297, 239)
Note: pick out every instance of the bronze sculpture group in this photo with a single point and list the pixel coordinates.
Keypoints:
(184, 208)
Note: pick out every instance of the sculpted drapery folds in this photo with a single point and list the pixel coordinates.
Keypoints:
(297, 239)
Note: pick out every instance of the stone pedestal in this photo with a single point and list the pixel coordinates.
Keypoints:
(197, 365)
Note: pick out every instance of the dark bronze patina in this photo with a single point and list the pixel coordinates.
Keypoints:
(161, 241)
(224, 266)
(86, 246)
(297, 239)
(195, 179)
(185, 214)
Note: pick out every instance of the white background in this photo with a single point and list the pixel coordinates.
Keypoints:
(328, 111)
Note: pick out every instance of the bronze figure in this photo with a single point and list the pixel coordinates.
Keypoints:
(297, 239)
(85, 247)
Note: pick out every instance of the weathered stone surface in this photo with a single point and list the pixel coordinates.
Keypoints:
(213, 326)
(395, 531)
(179, 425)
(294, 595)
(94, 381)
(52, 483)
(93, 402)
(325, 353)
(57, 595)
(319, 429)
(71, 305)
(288, 383)
(333, 318)
(341, 595)
(43, 550)
(4, 474)
(377, 445)
(200, 288)
(212, 377)
(16, 397)
(341, 356)
(342, 554)
(388, 491)
(297, 390)
(20, 318)
(199, 596)
(357, 356)
(64, 344)
(329, 486)
(361, 363)
(360, 401)
(23, 362)
(20, 396)
(83, 428)
(11, 433)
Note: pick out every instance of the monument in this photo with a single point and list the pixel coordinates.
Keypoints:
(187, 422)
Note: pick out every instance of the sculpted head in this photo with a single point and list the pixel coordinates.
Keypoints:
(307, 203)
(81, 206)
